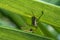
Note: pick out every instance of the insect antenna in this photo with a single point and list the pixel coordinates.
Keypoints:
(40, 16)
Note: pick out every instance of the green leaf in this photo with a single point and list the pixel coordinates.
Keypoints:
(22, 22)
(13, 34)
(22, 6)
(40, 30)
(48, 30)
(6, 22)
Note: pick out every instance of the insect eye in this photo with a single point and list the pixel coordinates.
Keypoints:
(31, 30)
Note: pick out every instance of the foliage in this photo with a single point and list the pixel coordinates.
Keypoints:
(20, 13)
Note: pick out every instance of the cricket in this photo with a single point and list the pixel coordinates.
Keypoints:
(34, 19)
